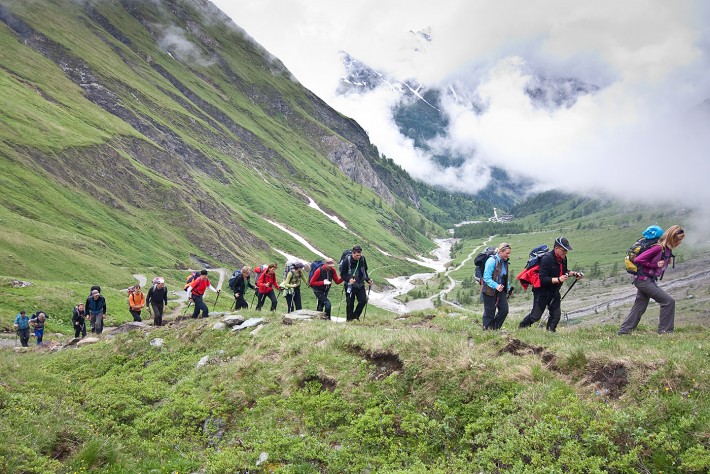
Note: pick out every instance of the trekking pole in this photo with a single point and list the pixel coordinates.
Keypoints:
(570, 287)
(215, 300)
(189, 302)
(342, 293)
(252, 298)
(367, 301)
(234, 303)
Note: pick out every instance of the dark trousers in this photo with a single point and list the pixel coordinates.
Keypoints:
(240, 302)
(97, 323)
(352, 294)
(24, 335)
(199, 306)
(157, 313)
(543, 299)
(293, 299)
(136, 315)
(262, 299)
(323, 302)
(491, 319)
(649, 289)
(80, 328)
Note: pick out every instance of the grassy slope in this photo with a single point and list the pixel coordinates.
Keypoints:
(56, 228)
(428, 393)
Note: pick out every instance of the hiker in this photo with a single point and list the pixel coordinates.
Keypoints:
(78, 318)
(136, 302)
(96, 309)
(157, 300)
(553, 273)
(353, 270)
(37, 322)
(496, 287)
(266, 284)
(196, 293)
(240, 285)
(651, 265)
(321, 280)
(292, 283)
(22, 327)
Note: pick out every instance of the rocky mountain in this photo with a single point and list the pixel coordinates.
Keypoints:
(420, 116)
(162, 125)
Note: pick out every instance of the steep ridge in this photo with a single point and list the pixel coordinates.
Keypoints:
(162, 125)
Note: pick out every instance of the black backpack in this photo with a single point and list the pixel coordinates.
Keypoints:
(235, 274)
(480, 262)
(314, 266)
(290, 266)
(536, 254)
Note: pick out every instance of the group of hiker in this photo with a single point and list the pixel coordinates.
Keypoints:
(319, 276)
(546, 271)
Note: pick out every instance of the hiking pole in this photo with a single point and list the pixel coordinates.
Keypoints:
(252, 298)
(234, 303)
(189, 302)
(367, 301)
(570, 287)
(215, 300)
(342, 293)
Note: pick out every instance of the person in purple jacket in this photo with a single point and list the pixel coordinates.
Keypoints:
(651, 264)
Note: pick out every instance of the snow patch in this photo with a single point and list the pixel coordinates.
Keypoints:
(314, 205)
(297, 237)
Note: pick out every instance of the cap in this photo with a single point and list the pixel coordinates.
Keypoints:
(203, 272)
(298, 265)
(563, 242)
(653, 232)
(94, 292)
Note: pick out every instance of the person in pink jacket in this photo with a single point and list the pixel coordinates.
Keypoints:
(651, 264)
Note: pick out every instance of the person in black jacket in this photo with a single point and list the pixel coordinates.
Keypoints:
(240, 287)
(96, 308)
(78, 318)
(157, 300)
(553, 273)
(353, 270)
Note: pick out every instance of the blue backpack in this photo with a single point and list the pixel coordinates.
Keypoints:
(536, 255)
(235, 274)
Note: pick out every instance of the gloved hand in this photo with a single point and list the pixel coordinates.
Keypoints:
(326, 282)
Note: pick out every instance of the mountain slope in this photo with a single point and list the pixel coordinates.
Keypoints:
(158, 134)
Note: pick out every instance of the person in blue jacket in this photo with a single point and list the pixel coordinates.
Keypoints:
(22, 326)
(496, 287)
(37, 322)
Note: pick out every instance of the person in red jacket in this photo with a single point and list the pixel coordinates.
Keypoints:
(265, 285)
(196, 291)
(321, 280)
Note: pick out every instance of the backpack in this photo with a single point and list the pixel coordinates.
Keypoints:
(536, 254)
(233, 279)
(130, 291)
(290, 266)
(314, 266)
(192, 277)
(640, 246)
(480, 262)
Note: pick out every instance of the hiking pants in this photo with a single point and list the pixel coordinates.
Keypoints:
(499, 301)
(262, 299)
(24, 335)
(648, 289)
(542, 300)
(39, 334)
(240, 302)
(199, 306)
(97, 323)
(352, 294)
(294, 300)
(80, 328)
(323, 302)
(157, 313)
(136, 315)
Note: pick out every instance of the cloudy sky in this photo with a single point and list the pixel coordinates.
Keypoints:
(649, 58)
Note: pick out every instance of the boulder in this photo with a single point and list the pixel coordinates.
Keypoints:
(249, 323)
(131, 326)
(87, 340)
(233, 320)
(218, 326)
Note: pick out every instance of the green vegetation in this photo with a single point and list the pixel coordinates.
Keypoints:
(380, 395)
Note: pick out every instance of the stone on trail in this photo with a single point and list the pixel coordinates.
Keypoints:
(127, 327)
(218, 326)
(233, 320)
(88, 340)
(251, 322)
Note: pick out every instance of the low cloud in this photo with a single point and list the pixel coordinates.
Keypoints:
(174, 41)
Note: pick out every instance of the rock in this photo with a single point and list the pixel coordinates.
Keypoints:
(72, 342)
(258, 328)
(21, 349)
(202, 362)
(20, 283)
(218, 326)
(251, 322)
(131, 326)
(262, 458)
(156, 342)
(234, 320)
(87, 340)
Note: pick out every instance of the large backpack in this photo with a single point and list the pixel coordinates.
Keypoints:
(640, 246)
(233, 279)
(314, 266)
(480, 263)
(536, 254)
(289, 267)
(192, 277)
